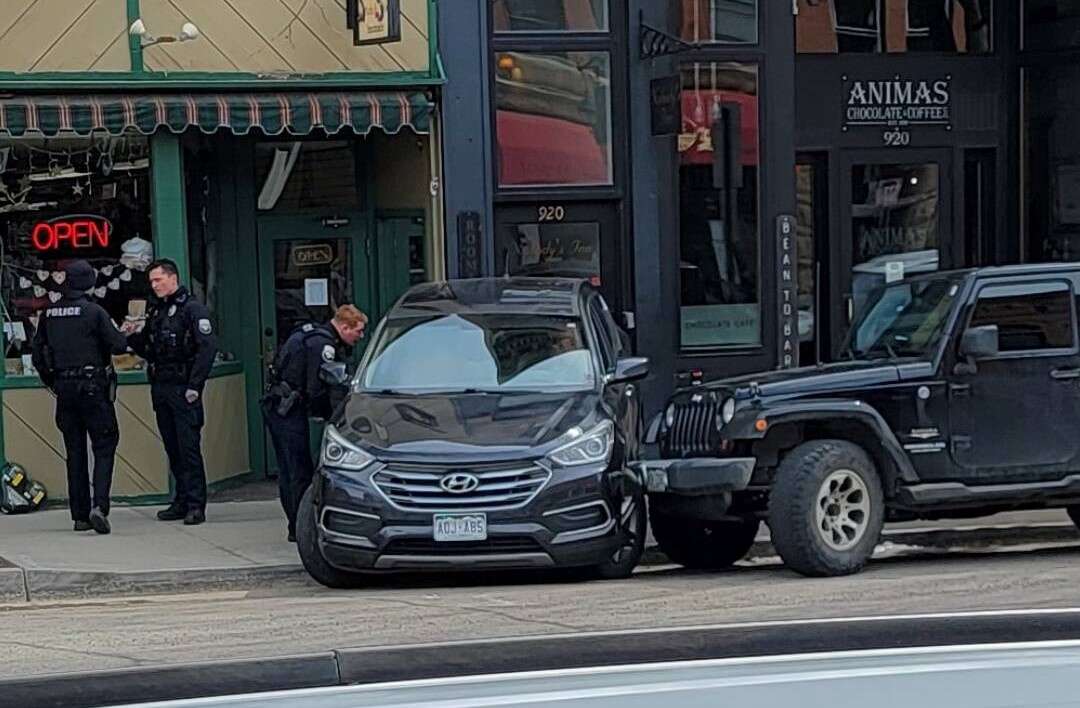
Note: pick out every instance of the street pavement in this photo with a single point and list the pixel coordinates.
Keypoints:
(297, 617)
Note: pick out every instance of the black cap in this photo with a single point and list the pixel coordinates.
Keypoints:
(80, 277)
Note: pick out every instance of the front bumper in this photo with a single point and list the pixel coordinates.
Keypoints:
(570, 522)
(696, 476)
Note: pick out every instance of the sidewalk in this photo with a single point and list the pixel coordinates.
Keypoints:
(243, 544)
(240, 543)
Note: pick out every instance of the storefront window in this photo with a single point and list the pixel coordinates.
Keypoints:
(719, 223)
(1052, 167)
(67, 198)
(292, 176)
(719, 21)
(550, 15)
(845, 26)
(553, 118)
(1051, 24)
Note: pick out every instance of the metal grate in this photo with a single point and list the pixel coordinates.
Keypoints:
(429, 547)
(416, 487)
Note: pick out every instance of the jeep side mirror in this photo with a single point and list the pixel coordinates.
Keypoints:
(980, 342)
(334, 373)
(977, 343)
(630, 368)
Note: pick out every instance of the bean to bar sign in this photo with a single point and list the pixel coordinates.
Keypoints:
(788, 292)
(895, 105)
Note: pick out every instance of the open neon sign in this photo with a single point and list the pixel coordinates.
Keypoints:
(79, 231)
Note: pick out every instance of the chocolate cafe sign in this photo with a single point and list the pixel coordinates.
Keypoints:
(895, 105)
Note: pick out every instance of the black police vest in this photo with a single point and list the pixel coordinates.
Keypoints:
(70, 335)
(291, 364)
(170, 339)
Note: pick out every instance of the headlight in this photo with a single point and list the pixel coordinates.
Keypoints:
(342, 454)
(586, 448)
(669, 416)
(727, 411)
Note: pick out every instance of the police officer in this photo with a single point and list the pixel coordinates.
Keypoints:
(296, 392)
(72, 351)
(179, 345)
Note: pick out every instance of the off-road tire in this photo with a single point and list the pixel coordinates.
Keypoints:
(307, 544)
(1074, 514)
(635, 529)
(703, 545)
(792, 508)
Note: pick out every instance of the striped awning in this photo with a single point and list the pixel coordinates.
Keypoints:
(273, 113)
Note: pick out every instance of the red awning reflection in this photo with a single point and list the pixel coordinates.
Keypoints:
(695, 140)
(537, 149)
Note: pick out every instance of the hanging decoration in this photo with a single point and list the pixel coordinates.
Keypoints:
(59, 277)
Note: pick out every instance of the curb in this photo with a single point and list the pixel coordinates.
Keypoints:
(382, 664)
(12, 585)
(51, 584)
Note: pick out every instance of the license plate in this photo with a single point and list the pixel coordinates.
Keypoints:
(460, 527)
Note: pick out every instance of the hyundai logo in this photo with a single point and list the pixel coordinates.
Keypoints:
(459, 483)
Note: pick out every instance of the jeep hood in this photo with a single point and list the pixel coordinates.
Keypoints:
(828, 378)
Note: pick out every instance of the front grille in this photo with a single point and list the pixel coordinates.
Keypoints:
(492, 546)
(693, 431)
(416, 487)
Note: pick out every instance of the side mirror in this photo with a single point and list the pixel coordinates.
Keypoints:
(334, 373)
(980, 342)
(630, 368)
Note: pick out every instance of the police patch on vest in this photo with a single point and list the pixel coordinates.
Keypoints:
(172, 310)
(204, 327)
(328, 353)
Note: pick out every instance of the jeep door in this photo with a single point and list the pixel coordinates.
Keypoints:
(1015, 418)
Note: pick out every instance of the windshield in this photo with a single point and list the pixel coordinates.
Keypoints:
(904, 320)
(491, 353)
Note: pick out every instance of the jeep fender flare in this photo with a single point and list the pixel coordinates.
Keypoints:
(744, 426)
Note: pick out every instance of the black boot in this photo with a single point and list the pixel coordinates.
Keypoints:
(173, 513)
(194, 517)
(83, 526)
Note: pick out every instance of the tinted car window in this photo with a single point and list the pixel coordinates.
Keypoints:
(1028, 317)
(479, 352)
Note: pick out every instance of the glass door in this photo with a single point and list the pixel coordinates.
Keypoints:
(897, 221)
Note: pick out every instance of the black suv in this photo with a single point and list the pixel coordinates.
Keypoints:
(491, 424)
(959, 396)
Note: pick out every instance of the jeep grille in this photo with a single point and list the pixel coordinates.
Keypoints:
(693, 432)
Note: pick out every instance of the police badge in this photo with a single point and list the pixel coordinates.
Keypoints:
(205, 327)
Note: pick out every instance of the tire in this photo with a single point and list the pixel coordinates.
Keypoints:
(633, 526)
(1074, 514)
(826, 508)
(307, 543)
(703, 545)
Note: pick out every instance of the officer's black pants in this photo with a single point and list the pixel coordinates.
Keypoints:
(83, 407)
(180, 424)
(292, 445)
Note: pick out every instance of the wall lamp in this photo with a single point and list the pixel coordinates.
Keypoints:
(138, 29)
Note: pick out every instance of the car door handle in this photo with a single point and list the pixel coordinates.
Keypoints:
(1065, 374)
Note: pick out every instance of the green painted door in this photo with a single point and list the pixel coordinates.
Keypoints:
(399, 251)
(308, 267)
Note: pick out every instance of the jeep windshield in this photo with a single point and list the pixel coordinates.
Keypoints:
(492, 353)
(904, 320)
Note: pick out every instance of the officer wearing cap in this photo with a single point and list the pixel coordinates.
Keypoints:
(72, 351)
(179, 345)
(297, 392)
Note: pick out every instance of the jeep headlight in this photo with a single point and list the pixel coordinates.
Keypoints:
(727, 411)
(669, 416)
(340, 453)
(586, 448)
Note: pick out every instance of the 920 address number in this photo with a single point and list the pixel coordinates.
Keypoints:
(896, 138)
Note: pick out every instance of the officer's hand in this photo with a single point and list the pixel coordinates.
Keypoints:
(192, 395)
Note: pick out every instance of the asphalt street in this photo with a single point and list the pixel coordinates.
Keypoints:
(302, 617)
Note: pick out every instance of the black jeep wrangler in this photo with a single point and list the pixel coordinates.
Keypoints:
(958, 395)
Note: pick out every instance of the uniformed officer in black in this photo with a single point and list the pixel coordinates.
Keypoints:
(296, 392)
(72, 351)
(179, 345)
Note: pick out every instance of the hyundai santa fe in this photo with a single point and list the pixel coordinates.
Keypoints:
(492, 423)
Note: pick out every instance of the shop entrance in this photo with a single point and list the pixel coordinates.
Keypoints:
(892, 217)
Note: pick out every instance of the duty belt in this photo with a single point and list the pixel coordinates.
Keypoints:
(175, 372)
(84, 372)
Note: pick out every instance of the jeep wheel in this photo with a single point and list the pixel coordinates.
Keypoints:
(826, 508)
(632, 527)
(703, 545)
(307, 543)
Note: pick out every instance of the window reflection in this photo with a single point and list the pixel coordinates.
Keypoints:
(718, 186)
(1051, 24)
(553, 118)
(846, 26)
(550, 15)
(721, 21)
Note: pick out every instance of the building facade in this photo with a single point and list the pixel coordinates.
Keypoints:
(285, 155)
(737, 174)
